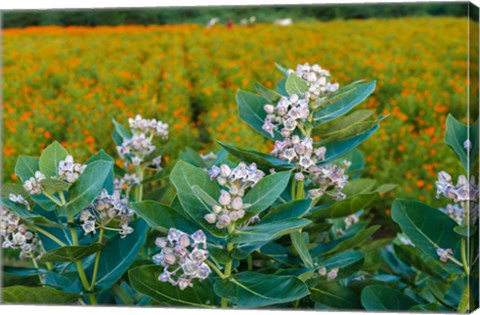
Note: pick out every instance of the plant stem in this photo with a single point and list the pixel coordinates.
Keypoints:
(78, 263)
(55, 200)
(47, 234)
(62, 198)
(228, 265)
(464, 257)
(250, 263)
(139, 188)
(300, 190)
(214, 268)
(97, 260)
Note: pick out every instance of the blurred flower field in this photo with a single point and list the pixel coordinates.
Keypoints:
(67, 84)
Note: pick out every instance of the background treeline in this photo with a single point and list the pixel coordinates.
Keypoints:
(264, 14)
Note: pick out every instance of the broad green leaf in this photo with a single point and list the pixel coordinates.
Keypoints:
(263, 161)
(144, 279)
(354, 241)
(53, 185)
(103, 156)
(50, 158)
(184, 177)
(341, 260)
(344, 207)
(163, 217)
(250, 110)
(86, 188)
(71, 253)
(26, 167)
(280, 86)
(295, 85)
(267, 231)
(359, 186)
(266, 191)
(465, 231)
(253, 290)
(66, 281)
(204, 196)
(271, 95)
(384, 298)
(343, 122)
(412, 257)
(292, 209)
(347, 133)
(21, 271)
(301, 246)
(346, 99)
(118, 254)
(456, 135)
(282, 69)
(37, 295)
(191, 156)
(334, 295)
(428, 228)
(121, 131)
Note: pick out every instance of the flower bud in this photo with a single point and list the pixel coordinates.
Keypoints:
(169, 259)
(237, 203)
(269, 108)
(224, 198)
(210, 218)
(225, 170)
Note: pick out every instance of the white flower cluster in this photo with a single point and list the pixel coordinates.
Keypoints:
(329, 179)
(149, 126)
(463, 191)
(126, 182)
(136, 148)
(330, 275)
(230, 207)
(15, 235)
(69, 171)
(19, 199)
(289, 113)
(183, 257)
(32, 185)
(107, 209)
(318, 79)
(454, 211)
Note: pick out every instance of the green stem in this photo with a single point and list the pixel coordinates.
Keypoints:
(250, 263)
(228, 265)
(62, 198)
(300, 190)
(464, 257)
(35, 264)
(464, 304)
(47, 234)
(55, 200)
(293, 191)
(214, 268)
(78, 263)
(139, 187)
(97, 260)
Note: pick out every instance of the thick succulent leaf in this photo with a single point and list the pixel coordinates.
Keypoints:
(268, 231)
(341, 260)
(282, 69)
(271, 95)
(292, 209)
(335, 296)
(67, 281)
(344, 207)
(50, 158)
(456, 135)
(53, 185)
(428, 228)
(295, 85)
(118, 254)
(250, 110)
(346, 99)
(301, 246)
(385, 298)
(191, 156)
(280, 87)
(120, 133)
(414, 258)
(71, 253)
(266, 191)
(184, 177)
(163, 217)
(144, 279)
(86, 188)
(263, 161)
(26, 167)
(36, 295)
(253, 290)
(21, 271)
(103, 156)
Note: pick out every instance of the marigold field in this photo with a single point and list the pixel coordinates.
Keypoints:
(67, 84)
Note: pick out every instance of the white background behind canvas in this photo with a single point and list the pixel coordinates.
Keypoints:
(51, 4)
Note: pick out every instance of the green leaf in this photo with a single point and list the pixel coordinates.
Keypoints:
(428, 228)
(344, 207)
(430, 308)
(103, 156)
(267, 231)
(353, 241)
(120, 133)
(53, 185)
(118, 254)
(263, 161)
(291, 209)
(334, 295)
(282, 69)
(36, 295)
(184, 177)
(382, 297)
(26, 167)
(266, 191)
(301, 246)
(456, 135)
(203, 196)
(341, 260)
(412, 257)
(163, 217)
(144, 279)
(346, 99)
(86, 188)
(351, 131)
(252, 290)
(50, 158)
(250, 110)
(191, 156)
(71, 253)
(465, 231)
(295, 85)
(271, 95)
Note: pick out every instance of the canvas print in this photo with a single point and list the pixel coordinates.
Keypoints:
(302, 157)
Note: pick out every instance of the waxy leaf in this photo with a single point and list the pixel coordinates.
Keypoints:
(36, 295)
(344, 207)
(50, 158)
(120, 133)
(292, 209)
(412, 257)
(26, 167)
(271, 95)
(456, 135)
(103, 156)
(252, 290)
(335, 296)
(263, 161)
(144, 279)
(86, 188)
(53, 185)
(184, 177)
(71, 253)
(384, 298)
(301, 246)
(268, 231)
(266, 191)
(295, 85)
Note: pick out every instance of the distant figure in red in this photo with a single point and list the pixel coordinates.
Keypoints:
(229, 23)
